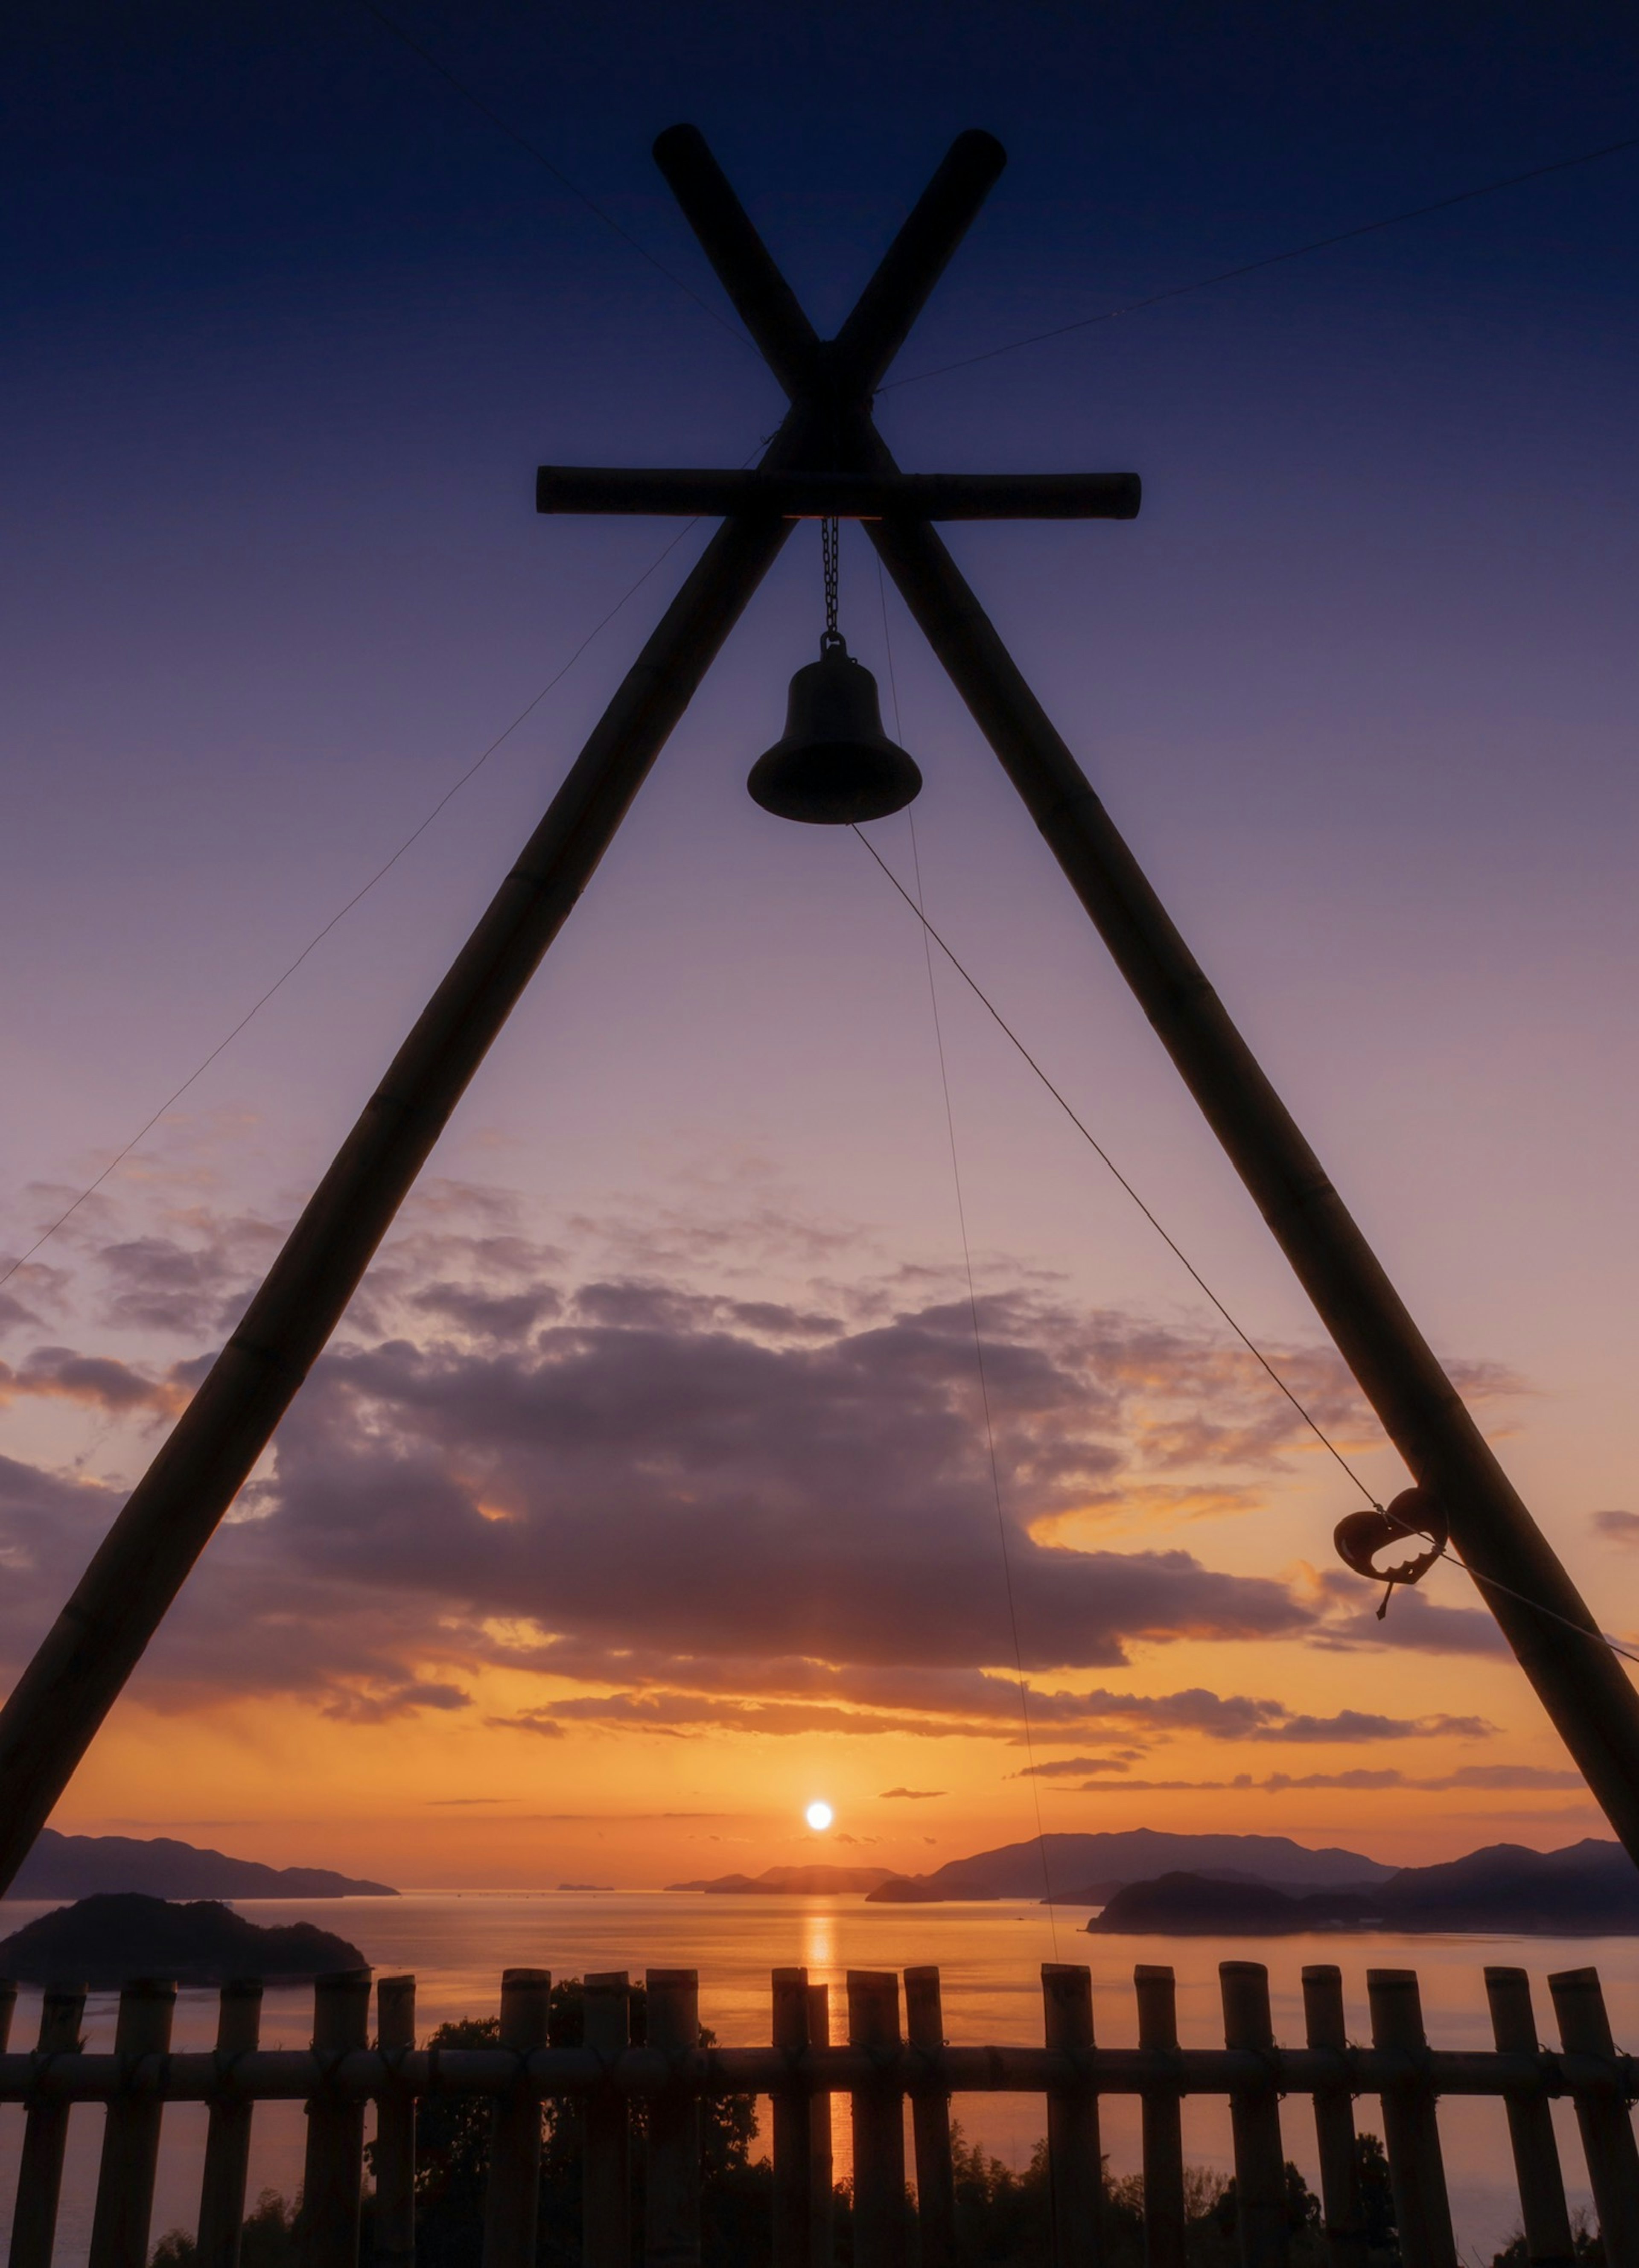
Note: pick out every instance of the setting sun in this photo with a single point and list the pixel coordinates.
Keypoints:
(819, 1816)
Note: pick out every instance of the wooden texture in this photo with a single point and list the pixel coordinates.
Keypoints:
(822, 2196)
(227, 2130)
(672, 2217)
(1074, 2162)
(790, 2108)
(1255, 2120)
(1411, 2134)
(1162, 2125)
(130, 2137)
(1603, 2115)
(45, 2132)
(393, 2221)
(876, 2108)
(930, 2125)
(606, 2173)
(511, 2198)
(1325, 2027)
(333, 2176)
(1542, 2209)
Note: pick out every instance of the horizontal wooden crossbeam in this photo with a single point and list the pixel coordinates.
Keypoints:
(839, 495)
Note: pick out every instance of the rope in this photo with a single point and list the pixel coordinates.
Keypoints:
(314, 942)
(1272, 260)
(967, 1263)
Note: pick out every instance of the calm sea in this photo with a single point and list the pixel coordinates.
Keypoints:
(989, 1957)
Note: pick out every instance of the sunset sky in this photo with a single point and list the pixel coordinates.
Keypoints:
(646, 1494)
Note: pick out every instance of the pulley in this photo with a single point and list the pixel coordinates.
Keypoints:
(1363, 1534)
(834, 765)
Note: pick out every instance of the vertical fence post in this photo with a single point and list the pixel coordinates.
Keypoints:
(822, 2196)
(1255, 2120)
(395, 2216)
(606, 2175)
(1075, 2183)
(130, 2137)
(1607, 2134)
(45, 2131)
(333, 2179)
(512, 2194)
(1325, 2028)
(672, 2235)
(878, 2116)
(227, 2132)
(930, 2125)
(1162, 2124)
(1422, 2212)
(1529, 2126)
(791, 2105)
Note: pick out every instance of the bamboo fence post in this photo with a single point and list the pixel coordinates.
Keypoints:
(1255, 2120)
(512, 2195)
(1162, 2124)
(333, 2179)
(1334, 2122)
(606, 2175)
(822, 2196)
(878, 2117)
(130, 2136)
(393, 2221)
(1607, 2134)
(1542, 2208)
(930, 2126)
(1074, 2162)
(1422, 2211)
(672, 2236)
(227, 2132)
(793, 2204)
(45, 2131)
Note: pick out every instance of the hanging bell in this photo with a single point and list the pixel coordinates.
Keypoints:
(835, 765)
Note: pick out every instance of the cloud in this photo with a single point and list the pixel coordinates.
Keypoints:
(1361, 1779)
(912, 1795)
(1619, 1526)
(97, 1381)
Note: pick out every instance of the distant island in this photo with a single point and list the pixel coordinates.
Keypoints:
(794, 1881)
(1089, 1869)
(85, 1865)
(104, 1941)
(1589, 1888)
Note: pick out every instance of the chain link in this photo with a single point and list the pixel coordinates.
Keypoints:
(829, 546)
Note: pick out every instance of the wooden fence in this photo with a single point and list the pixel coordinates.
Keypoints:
(886, 2059)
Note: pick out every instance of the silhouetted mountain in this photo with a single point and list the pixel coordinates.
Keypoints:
(1087, 1869)
(1197, 1905)
(104, 1941)
(794, 1881)
(86, 1865)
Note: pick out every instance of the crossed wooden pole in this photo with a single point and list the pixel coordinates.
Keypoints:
(826, 458)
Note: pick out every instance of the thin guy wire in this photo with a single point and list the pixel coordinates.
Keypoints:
(967, 1262)
(1272, 260)
(449, 794)
(523, 142)
(1099, 1151)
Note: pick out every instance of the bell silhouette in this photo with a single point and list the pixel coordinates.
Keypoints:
(835, 765)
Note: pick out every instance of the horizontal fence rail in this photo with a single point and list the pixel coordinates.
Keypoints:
(885, 2064)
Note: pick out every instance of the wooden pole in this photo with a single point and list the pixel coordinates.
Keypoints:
(1334, 2122)
(930, 2126)
(1075, 2158)
(1411, 2134)
(790, 2107)
(1542, 2208)
(878, 2117)
(131, 2138)
(672, 2233)
(45, 2133)
(1602, 2113)
(1255, 2120)
(1162, 2123)
(822, 2196)
(393, 2219)
(606, 2178)
(227, 2130)
(333, 2180)
(512, 2194)
(8, 2005)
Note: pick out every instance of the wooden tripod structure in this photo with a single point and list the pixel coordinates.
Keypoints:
(826, 458)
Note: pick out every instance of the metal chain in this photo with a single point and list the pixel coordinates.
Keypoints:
(829, 547)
